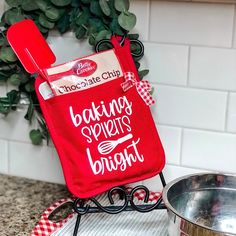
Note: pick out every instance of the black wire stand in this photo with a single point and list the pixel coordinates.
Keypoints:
(81, 207)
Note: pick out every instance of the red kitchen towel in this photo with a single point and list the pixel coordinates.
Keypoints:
(100, 122)
(46, 227)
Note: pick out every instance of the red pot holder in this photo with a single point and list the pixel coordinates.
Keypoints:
(101, 125)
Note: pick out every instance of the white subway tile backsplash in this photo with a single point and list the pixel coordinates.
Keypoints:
(190, 107)
(15, 127)
(68, 48)
(170, 173)
(3, 157)
(209, 150)
(171, 141)
(59, 177)
(141, 9)
(3, 90)
(213, 68)
(231, 121)
(36, 162)
(167, 64)
(234, 30)
(192, 23)
(192, 68)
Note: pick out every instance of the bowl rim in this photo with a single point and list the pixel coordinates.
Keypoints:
(172, 209)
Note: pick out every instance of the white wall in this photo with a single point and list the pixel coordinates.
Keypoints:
(191, 54)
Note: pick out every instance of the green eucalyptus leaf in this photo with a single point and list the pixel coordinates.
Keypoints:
(9, 102)
(29, 5)
(73, 16)
(13, 15)
(121, 5)
(24, 77)
(42, 124)
(45, 22)
(75, 3)
(7, 68)
(96, 25)
(127, 20)
(42, 4)
(52, 13)
(29, 87)
(135, 48)
(104, 34)
(142, 73)
(115, 27)
(105, 7)
(92, 39)
(44, 130)
(30, 111)
(133, 36)
(4, 108)
(42, 29)
(3, 78)
(137, 64)
(61, 3)
(85, 1)
(105, 46)
(63, 24)
(36, 136)
(5, 100)
(82, 19)
(13, 96)
(80, 32)
(113, 13)
(3, 41)
(96, 9)
(7, 54)
(13, 3)
(15, 79)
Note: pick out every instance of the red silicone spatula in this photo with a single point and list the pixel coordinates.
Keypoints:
(30, 46)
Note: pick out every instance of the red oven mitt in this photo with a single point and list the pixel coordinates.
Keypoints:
(105, 135)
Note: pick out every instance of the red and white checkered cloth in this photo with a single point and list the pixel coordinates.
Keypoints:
(143, 87)
(46, 227)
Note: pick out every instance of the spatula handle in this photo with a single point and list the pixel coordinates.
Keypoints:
(37, 68)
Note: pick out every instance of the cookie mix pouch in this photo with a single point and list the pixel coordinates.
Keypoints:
(99, 119)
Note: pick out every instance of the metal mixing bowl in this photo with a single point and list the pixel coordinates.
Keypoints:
(201, 205)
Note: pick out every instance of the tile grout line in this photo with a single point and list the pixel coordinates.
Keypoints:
(196, 128)
(44, 144)
(233, 30)
(198, 168)
(189, 44)
(192, 87)
(149, 20)
(188, 66)
(8, 157)
(226, 112)
(181, 147)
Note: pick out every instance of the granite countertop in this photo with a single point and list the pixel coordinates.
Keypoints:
(22, 201)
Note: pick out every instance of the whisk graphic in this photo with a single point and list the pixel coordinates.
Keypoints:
(108, 146)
